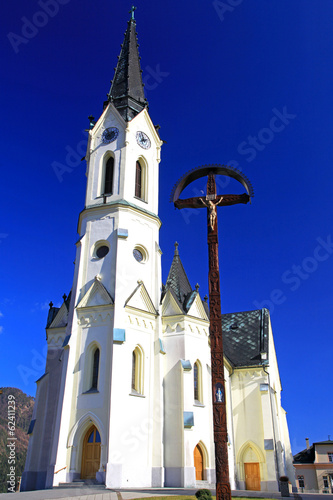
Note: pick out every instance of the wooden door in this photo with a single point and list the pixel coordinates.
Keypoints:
(91, 454)
(198, 463)
(252, 476)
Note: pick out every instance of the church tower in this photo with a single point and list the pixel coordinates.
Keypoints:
(106, 398)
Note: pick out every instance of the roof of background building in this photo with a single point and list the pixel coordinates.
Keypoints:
(307, 456)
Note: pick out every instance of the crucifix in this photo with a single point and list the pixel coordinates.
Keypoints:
(211, 202)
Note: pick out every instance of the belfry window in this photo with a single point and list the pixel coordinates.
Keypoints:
(108, 176)
(138, 181)
(95, 370)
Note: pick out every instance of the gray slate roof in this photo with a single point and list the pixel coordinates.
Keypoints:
(178, 282)
(245, 336)
(126, 92)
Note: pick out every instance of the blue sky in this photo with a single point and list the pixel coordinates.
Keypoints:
(239, 82)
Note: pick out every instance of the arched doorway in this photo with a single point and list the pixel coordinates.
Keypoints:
(91, 453)
(198, 463)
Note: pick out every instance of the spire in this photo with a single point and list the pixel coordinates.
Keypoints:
(177, 279)
(126, 92)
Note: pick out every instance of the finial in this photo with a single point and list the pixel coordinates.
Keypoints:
(51, 304)
(197, 286)
(176, 248)
(205, 298)
(92, 122)
(133, 9)
(64, 297)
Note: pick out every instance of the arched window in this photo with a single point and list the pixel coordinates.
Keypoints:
(137, 370)
(108, 176)
(197, 379)
(95, 370)
(138, 181)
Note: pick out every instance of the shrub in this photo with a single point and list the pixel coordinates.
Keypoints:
(204, 494)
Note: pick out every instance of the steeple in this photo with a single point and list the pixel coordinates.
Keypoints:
(177, 279)
(126, 92)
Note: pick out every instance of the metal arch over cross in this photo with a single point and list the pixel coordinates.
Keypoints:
(133, 9)
(211, 201)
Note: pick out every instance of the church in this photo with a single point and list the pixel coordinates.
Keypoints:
(126, 397)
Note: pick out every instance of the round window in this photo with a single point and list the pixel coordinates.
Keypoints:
(137, 255)
(102, 251)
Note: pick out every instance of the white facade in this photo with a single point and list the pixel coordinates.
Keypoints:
(142, 402)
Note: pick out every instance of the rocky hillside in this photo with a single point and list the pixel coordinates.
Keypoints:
(23, 412)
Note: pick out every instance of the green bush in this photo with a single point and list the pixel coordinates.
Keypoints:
(204, 494)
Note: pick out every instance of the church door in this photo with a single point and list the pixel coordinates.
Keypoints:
(91, 454)
(198, 463)
(252, 476)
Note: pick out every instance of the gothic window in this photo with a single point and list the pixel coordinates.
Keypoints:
(138, 181)
(108, 176)
(95, 369)
(137, 371)
(197, 379)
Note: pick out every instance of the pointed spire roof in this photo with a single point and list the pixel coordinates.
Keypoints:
(126, 92)
(177, 279)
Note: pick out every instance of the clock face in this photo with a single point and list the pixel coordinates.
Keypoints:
(110, 134)
(143, 140)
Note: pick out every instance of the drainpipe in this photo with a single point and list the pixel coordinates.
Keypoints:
(232, 429)
(277, 471)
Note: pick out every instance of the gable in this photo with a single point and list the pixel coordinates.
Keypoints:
(140, 299)
(170, 306)
(143, 121)
(60, 318)
(197, 309)
(109, 118)
(97, 295)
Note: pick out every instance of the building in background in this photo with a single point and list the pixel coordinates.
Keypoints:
(126, 396)
(314, 467)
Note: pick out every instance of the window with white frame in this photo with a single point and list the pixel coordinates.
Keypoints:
(197, 380)
(300, 480)
(137, 370)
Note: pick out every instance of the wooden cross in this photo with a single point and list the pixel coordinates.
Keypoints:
(211, 201)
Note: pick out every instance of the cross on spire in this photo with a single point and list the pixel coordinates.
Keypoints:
(133, 9)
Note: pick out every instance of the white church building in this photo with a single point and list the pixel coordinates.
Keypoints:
(126, 395)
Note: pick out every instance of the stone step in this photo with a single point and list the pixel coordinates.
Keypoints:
(79, 484)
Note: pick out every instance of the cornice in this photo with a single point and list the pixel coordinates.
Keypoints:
(118, 204)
